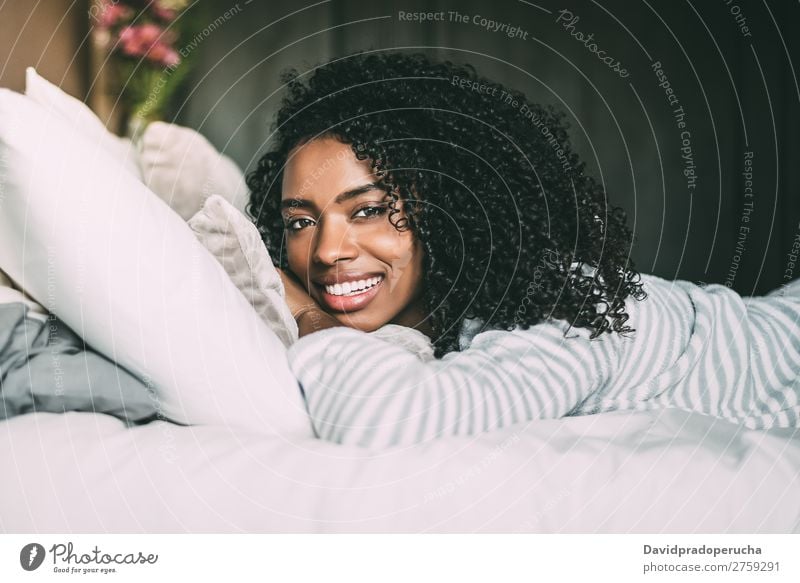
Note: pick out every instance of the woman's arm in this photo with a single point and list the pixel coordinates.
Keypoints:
(314, 319)
(367, 391)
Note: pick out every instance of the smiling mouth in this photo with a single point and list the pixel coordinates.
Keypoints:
(341, 298)
(354, 287)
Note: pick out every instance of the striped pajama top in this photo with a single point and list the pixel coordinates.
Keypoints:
(699, 348)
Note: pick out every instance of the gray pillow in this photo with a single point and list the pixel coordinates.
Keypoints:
(45, 366)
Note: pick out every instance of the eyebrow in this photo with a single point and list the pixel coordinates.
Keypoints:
(340, 198)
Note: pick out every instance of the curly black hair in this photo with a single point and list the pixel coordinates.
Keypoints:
(514, 231)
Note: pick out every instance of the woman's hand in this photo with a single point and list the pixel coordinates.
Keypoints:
(296, 295)
(308, 313)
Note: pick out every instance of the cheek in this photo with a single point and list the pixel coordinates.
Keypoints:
(297, 255)
(405, 263)
(393, 248)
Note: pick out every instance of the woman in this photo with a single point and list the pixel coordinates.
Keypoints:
(415, 202)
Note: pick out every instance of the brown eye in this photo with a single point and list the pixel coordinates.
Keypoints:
(371, 211)
(290, 225)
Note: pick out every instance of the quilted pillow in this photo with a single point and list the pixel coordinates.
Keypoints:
(183, 168)
(235, 242)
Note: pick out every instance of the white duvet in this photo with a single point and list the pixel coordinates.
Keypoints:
(665, 472)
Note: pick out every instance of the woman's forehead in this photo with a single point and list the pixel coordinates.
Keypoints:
(324, 169)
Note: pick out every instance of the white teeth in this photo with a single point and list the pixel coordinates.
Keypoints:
(350, 288)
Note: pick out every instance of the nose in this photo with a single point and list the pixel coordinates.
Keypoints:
(333, 241)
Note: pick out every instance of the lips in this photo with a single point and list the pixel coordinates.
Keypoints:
(348, 303)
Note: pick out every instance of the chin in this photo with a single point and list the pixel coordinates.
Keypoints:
(356, 324)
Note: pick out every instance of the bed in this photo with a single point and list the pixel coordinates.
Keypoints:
(621, 472)
(244, 460)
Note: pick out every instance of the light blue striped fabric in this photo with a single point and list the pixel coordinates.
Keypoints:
(704, 349)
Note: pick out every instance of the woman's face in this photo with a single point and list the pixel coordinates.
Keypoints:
(340, 243)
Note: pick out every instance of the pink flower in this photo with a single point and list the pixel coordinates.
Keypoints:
(149, 41)
(113, 13)
(163, 54)
(137, 40)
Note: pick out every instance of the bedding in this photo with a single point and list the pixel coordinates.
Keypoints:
(668, 471)
(234, 241)
(45, 366)
(177, 164)
(182, 167)
(81, 119)
(86, 239)
(10, 293)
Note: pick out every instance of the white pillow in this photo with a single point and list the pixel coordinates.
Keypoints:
(97, 248)
(237, 245)
(81, 119)
(184, 169)
(179, 164)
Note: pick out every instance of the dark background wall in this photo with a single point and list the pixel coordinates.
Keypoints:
(738, 89)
